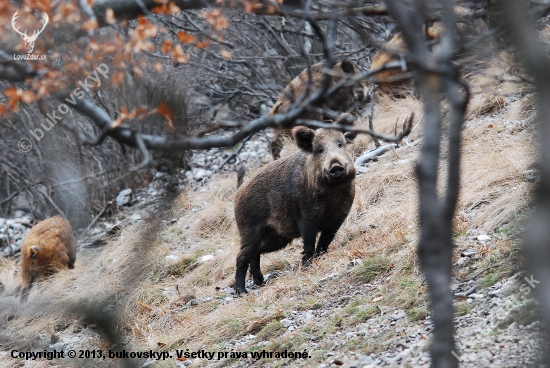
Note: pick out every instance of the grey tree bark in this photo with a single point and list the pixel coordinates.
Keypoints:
(536, 242)
(436, 74)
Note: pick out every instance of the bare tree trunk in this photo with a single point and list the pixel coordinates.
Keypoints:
(436, 74)
(520, 26)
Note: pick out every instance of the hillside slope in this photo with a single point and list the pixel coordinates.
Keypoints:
(165, 281)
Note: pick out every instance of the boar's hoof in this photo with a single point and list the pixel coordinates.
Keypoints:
(306, 263)
(336, 170)
(241, 290)
(258, 279)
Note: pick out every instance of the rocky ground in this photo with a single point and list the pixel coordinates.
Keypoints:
(496, 325)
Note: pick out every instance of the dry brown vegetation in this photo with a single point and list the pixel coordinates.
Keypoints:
(152, 286)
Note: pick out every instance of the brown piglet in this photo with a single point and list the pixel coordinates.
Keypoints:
(48, 247)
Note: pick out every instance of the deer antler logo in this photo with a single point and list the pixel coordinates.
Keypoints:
(29, 40)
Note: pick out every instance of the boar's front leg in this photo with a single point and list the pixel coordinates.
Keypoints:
(324, 240)
(308, 230)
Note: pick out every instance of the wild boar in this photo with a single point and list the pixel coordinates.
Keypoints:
(48, 247)
(307, 83)
(299, 195)
(397, 82)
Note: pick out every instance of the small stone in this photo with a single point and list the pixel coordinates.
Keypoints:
(470, 252)
(397, 315)
(200, 174)
(206, 258)
(331, 276)
(286, 322)
(124, 198)
(477, 296)
(483, 238)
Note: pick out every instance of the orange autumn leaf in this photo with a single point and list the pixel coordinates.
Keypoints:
(110, 16)
(28, 97)
(142, 20)
(142, 111)
(165, 111)
(202, 45)
(138, 112)
(216, 19)
(16, 94)
(174, 9)
(226, 54)
(178, 55)
(166, 8)
(253, 6)
(44, 5)
(161, 344)
(138, 71)
(166, 46)
(90, 25)
(94, 45)
(185, 38)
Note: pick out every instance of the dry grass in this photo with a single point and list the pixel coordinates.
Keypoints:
(494, 84)
(154, 286)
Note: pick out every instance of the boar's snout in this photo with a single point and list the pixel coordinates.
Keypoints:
(336, 170)
(339, 169)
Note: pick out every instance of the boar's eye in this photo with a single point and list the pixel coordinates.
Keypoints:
(340, 145)
(320, 149)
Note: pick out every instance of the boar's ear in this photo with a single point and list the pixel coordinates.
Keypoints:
(33, 250)
(304, 138)
(350, 136)
(348, 67)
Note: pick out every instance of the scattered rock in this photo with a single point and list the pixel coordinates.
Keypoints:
(483, 238)
(124, 198)
(206, 258)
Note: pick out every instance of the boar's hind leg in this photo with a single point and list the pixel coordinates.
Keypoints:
(271, 243)
(249, 249)
(255, 270)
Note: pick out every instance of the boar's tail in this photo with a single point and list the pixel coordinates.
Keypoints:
(240, 175)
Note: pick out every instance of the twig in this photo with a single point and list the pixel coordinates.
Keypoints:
(481, 272)
(413, 129)
(96, 219)
(235, 154)
(52, 202)
(371, 114)
(13, 195)
(147, 159)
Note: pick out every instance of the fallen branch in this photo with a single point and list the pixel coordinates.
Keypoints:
(373, 153)
(481, 272)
